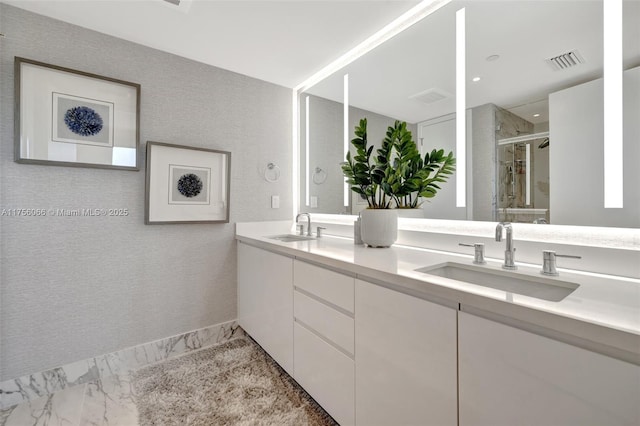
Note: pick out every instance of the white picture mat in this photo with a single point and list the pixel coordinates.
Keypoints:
(159, 175)
(37, 83)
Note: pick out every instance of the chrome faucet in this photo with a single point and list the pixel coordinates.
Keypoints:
(510, 250)
(308, 223)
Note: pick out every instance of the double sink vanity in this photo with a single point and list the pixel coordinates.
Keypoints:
(410, 335)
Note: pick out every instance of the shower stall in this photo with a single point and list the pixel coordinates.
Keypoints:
(523, 178)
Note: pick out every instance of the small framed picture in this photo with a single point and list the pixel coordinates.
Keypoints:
(186, 184)
(66, 117)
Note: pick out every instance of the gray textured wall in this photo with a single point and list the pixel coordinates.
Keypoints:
(75, 287)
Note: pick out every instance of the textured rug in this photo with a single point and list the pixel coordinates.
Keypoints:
(235, 383)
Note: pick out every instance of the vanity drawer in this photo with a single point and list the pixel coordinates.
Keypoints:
(334, 326)
(326, 373)
(331, 286)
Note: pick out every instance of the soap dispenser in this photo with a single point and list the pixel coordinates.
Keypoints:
(357, 237)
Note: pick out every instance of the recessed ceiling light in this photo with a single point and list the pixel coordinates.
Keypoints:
(536, 115)
(492, 58)
(475, 79)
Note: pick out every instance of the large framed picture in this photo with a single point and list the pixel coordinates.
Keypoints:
(65, 117)
(186, 184)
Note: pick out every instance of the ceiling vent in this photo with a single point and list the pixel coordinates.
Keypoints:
(430, 96)
(566, 60)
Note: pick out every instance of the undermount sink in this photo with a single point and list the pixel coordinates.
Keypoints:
(540, 287)
(289, 238)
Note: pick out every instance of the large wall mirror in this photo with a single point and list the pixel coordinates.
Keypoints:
(534, 112)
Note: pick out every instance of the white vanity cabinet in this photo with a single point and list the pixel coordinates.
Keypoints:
(324, 338)
(265, 301)
(406, 372)
(370, 354)
(508, 376)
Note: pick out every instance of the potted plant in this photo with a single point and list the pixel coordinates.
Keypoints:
(366, 174)
(396, 177)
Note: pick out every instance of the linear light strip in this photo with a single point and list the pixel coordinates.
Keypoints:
(613, 118)
(307, 125)
(346, 133)
(461, 121)
(527, 166)
(404, 21)
(295, 111)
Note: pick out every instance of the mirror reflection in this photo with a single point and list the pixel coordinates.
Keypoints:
(534, 112)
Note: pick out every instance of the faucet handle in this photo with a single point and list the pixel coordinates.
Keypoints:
(319, 231)
(549, 262)
(478, 258)
(300, 228)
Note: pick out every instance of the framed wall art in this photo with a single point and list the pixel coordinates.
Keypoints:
(65, 117)
(186, 184)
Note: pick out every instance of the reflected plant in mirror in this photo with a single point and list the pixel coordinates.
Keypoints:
(397, 175)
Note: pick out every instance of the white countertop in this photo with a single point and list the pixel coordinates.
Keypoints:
(604, 309)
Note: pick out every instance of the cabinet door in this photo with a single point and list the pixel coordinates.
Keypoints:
(512, 377)
(405, 359)
(326, 373)
(265, 301)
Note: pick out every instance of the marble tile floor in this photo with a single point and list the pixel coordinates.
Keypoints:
(38, 385)
(98, 391)
(108, 401)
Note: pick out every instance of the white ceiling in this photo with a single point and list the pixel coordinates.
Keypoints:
(283, 42)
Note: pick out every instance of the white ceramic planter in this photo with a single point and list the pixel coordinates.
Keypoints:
(379, 227)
